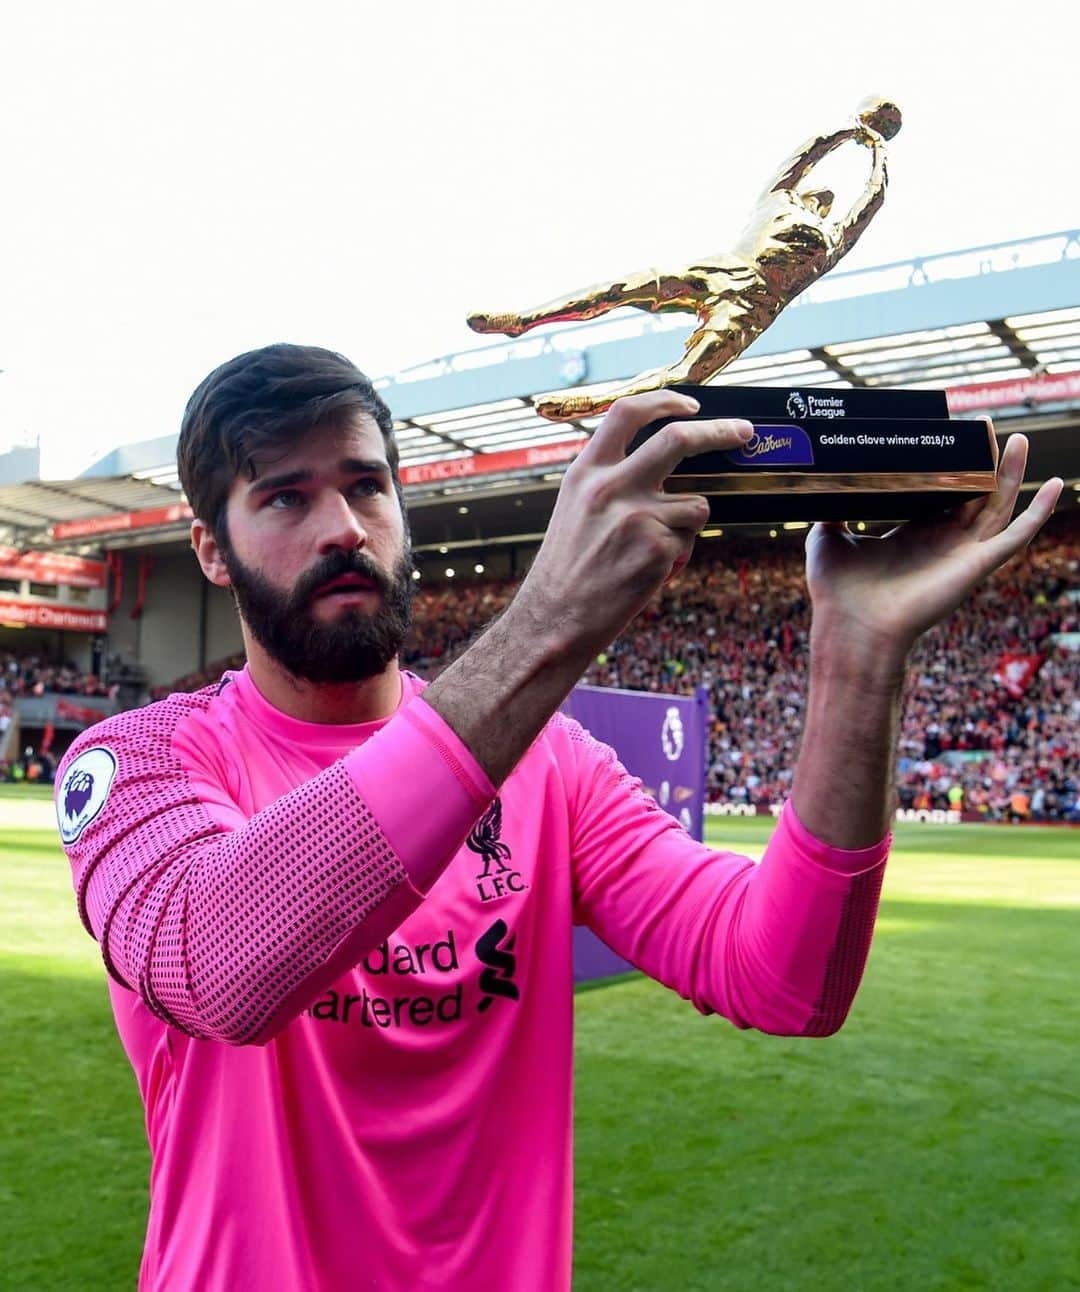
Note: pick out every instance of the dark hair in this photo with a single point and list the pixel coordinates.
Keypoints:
(265, 400)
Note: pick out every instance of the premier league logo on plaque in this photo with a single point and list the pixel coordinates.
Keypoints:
(83, 792)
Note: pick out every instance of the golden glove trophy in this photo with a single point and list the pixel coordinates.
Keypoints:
(913, 459)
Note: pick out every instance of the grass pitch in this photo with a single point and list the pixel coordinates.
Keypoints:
(932, 1144)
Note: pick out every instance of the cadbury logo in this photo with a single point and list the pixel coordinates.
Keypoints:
(775, 446)
(759, 444)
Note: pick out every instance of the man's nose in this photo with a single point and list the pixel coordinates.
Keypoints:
(339, 526)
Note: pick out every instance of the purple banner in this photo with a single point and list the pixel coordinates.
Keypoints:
(661, 739)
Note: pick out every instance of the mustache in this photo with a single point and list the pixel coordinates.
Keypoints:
(333, 566)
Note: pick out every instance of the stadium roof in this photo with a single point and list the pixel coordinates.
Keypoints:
(987, 314)
(32, 507)
(980, 315)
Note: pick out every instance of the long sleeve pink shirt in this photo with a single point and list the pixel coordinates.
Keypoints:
(340, 965)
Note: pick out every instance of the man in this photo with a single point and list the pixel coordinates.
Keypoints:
(355, 1051)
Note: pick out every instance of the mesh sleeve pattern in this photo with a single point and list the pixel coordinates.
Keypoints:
(847, 959)
(217, 928)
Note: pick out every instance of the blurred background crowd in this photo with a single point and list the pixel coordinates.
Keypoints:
(974, 739)
(737, 622)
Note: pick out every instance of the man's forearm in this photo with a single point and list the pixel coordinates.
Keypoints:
(500, 693)
(843, 790)
(613, 538)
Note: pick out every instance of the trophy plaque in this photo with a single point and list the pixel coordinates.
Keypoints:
(890, 455)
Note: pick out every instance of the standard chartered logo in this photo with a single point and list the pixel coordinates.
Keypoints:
(495, 950)
(426, 984)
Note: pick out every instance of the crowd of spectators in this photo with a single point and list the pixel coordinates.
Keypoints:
(737, 622)
(33, 674)
(30, 767)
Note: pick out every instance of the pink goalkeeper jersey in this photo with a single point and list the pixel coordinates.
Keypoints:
(341, 969)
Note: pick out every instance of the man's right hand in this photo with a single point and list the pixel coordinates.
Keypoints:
(613, 538)
(614, 535)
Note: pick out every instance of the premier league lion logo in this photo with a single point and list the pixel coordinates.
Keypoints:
(77, 793)
(672, 737)
(83, 791)
(796, 405)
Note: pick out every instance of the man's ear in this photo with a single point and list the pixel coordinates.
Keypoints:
(209, 554)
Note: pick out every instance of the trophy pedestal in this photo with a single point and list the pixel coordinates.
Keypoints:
(842, 455)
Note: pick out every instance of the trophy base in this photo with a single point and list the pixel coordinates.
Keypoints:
(892, 505)
(847, 455)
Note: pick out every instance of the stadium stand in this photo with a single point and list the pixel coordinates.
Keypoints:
(737, 622)
(998, 327)
(32, 674)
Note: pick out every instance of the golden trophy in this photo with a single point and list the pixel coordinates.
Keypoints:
(895, 455)
(789, 242)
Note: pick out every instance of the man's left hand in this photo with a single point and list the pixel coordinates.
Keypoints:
(879, 595)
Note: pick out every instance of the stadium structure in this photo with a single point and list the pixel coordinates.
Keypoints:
(96, 570)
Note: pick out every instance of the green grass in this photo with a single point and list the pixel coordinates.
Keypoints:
(932, 1144)
(22, 792)
(73, 1159)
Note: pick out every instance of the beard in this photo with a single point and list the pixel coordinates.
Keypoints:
(352, 648)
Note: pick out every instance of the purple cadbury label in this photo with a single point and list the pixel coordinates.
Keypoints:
(775, 446)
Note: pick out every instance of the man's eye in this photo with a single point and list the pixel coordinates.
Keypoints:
(285, 498)
(367, 487)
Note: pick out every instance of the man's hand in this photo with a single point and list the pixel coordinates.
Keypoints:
(615, 535)
(613, 538)
(872, 599)
(881, 594)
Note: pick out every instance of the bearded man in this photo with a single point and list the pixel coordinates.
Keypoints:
(356, 1064)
